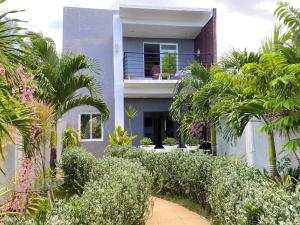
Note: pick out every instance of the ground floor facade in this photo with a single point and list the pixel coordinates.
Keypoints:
(152, 119)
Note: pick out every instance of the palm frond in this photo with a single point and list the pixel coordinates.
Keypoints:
(77, 101)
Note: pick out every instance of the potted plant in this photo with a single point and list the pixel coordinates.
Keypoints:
(147, 144)
(170, 144)
(192, 145)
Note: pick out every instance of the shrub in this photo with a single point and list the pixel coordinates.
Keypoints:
(146, 141)
(70, 138)
(125, 151)
(169, 141)
(113, 191)
(123, 189)
(235, 193)
(77, 165)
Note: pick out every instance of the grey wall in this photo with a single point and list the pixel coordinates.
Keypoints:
(144, 105)
(137, 45)
(90, 32)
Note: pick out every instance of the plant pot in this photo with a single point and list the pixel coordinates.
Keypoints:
(170, 148)
(148, 147)
(205, 146)
(192, 147)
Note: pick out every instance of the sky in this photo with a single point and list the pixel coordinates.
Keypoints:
(240, 23)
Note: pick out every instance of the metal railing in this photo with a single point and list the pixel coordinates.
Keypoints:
(151, 65)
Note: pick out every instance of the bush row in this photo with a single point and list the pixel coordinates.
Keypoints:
(235, 193)
(111, 191)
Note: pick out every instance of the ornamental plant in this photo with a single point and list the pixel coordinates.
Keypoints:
(192, 142)
(146, 141)
(120, 137)
(70, 138)
(198, 131)
(170, 141)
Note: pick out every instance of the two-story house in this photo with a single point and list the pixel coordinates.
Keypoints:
(142, 52)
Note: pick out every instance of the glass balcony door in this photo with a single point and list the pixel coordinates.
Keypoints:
(160, 58)
(168, 58)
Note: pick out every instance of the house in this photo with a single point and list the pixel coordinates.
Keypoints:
(142, 52)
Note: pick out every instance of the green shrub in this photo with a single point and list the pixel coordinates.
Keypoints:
(236, 194)
(114, 191)
(123, 189)
(77, 165)
(125, 151)
(146, 141)
(169, 141)
(70, 138)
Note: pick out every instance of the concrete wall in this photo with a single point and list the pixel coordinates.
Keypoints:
(252, 147)
(144, 105)
(136, 61)
(90, 32)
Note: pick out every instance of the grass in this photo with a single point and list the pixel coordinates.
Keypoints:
(193, 206)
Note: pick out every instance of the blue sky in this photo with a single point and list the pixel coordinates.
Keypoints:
(240, 23)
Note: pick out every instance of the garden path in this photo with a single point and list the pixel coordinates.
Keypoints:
(169, 213)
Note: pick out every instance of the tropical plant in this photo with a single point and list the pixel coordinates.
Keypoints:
(120, 137)
(59, 80)
(131, 113)
(70, 138)
(146, 141)
(235, 59)
(181, 110)
(10, 38)
(170, 141)
(192, 142)
(169, 63)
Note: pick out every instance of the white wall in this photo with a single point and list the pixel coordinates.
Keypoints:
(252, 147)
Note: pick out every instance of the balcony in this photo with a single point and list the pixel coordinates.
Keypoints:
(155, 75)
(160, 67)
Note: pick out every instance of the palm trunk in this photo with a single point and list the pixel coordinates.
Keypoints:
(272, 156)
(53, 154)
(213, 139)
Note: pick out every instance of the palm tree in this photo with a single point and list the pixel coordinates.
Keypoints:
(131, 113)
(181, 109)
(60, 80)
(265, 90)
(16, 117)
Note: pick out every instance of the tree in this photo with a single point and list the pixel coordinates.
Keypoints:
(62, 81)
(131, 114)
(258, 92)
(181, 109)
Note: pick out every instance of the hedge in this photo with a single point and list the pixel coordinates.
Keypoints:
(112, 191)
(77, 165)
(235, 193)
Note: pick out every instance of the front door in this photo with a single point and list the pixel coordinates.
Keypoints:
(157, 126)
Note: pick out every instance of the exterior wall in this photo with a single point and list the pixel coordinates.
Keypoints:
(257, 154)
(137, 45)
(206, 41)
(90, 32)
(144, 105)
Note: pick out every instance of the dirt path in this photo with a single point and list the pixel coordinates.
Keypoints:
(169, 213)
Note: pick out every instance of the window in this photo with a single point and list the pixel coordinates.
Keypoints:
(90, 127)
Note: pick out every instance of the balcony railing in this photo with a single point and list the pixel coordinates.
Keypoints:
(151, 65)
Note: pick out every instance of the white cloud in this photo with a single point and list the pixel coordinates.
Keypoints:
(240, 24)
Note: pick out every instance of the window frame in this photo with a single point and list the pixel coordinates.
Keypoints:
(91, 127)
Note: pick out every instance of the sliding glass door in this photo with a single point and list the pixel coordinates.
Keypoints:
(160, 58)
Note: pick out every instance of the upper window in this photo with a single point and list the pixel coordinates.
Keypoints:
(91, 126)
